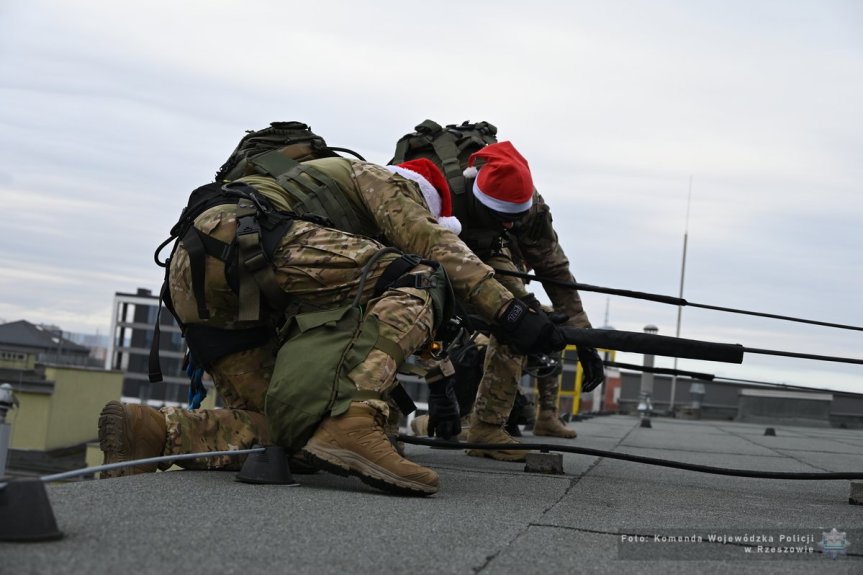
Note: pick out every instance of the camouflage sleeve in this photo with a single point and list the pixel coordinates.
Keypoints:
(398, 208)
(538, 244)
(504, 261)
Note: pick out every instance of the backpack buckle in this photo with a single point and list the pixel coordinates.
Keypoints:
(247, 225)
(423, 280)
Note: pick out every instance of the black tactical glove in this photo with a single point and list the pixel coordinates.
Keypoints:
(592, 369)
(528, 330)
(555, 316)
(532, 302)
(444, 418)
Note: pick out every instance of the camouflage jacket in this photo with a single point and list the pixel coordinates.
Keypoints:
(391, 209)
(531, 245)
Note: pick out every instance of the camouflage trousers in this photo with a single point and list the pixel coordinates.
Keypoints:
(499, 384)
(503, 367)
(502, 372)
(241, 380)
(319, 268)
(547, 388)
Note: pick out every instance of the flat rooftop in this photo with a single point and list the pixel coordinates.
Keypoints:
(489, 517)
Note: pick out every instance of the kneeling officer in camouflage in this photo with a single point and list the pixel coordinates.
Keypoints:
(509, 229)
(326, 263)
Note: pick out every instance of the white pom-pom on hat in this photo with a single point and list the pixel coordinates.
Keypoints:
(470, 172)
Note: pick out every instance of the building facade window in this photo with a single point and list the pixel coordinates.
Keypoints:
(132, 330)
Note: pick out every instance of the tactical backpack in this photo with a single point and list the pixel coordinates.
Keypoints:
(259, 229)
(295, 139)
(448, 147)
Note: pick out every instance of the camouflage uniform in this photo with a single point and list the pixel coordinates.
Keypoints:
(320, 268)
(534, 245)
(547, 389)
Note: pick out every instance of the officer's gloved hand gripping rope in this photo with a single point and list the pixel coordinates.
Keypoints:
(528, 330)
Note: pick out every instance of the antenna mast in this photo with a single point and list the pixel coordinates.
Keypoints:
(680, 295)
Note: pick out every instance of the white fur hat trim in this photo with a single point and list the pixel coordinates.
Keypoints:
(432, 197)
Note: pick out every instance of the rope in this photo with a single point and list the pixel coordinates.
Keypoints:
(661, 370)
(548, 447)
(665, 299)
(541, 447)
(148, 460)
(650, 343)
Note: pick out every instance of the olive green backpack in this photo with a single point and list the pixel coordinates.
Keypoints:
(447, 147)
(279, 143)
(295, 139)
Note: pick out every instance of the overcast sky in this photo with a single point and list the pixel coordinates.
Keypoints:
(112, 112)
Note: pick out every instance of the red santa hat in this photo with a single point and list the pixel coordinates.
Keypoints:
(503, 183)
(434, 188)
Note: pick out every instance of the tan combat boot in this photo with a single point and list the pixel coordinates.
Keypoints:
(548, 424)
(420, 425)
(392, 432)
(482, 432)
(128, 432)
(354, 443)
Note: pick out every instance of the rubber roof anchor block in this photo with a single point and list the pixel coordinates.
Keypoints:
(25, 512)
(268, 467)
(770, 431)
(548, 463)
(856, 497)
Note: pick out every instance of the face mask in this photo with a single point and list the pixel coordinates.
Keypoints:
(501, 220)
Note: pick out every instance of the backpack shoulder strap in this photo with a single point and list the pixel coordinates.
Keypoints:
(256, 273)
(318, 195)
(199, 245)
(154, 367)
(446, 147)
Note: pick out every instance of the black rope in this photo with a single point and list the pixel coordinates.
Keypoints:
(665, 299)
(548, 447)
(661, 370)
(804, 355)
(542, 447)
(653, 344)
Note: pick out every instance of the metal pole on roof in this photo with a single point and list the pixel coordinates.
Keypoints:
(680, 295)
(7, 402)
(645, 405)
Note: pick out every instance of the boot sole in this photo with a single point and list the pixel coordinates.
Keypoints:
(552, 434)
(496, 455)
(343, 462)
(300, 465)
(112, 434)
(114, 442)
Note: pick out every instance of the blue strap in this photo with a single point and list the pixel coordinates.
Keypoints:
(197, 391)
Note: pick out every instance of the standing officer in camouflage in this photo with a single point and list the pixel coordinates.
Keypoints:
(511, 229)
(327, 256)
